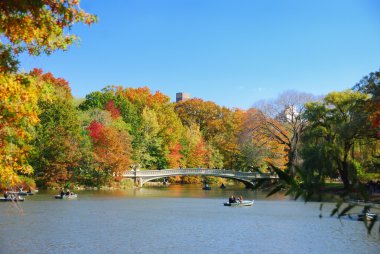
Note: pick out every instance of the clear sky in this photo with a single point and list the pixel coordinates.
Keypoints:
(232, 52)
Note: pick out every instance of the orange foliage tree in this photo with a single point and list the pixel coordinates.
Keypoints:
(168, 129)
(175, 156)
(216, 124)
(37, 26)
(49, 78)
(111, 107)
(112, 149)
(258, 147)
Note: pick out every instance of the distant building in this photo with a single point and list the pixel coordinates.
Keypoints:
(289, 114)
(182, 97)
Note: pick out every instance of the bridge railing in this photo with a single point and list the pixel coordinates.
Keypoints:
(196, 171)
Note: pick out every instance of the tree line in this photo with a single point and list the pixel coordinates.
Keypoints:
(48, 134)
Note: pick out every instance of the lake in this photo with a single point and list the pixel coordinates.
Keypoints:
(177, 219)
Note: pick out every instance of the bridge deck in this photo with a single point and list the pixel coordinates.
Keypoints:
(196, 171)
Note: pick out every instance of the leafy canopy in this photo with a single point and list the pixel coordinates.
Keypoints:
(37, 26)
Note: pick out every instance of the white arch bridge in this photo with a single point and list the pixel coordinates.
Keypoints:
(248, 178)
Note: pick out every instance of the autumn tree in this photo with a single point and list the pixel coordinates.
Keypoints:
(19, 111)
(48, 77)
(216, 124)
(37, 26)
(58, 143)
(144, 112)
(58, 134)
(371, 85)
(148, 152)
(111, 98)
(194, 149)
(142, 97)
(112, 150)
(169, 125)
(258, 148)
(175, 156)
(285, 123)
(206, 114)
(111, 146)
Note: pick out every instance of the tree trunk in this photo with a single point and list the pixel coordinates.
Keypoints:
(344, 171)
(292, 160)
(344, 175)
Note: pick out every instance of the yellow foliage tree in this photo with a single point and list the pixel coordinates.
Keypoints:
(18, 114)
(38, 26)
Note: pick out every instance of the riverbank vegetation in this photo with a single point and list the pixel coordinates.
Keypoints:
(53, 138)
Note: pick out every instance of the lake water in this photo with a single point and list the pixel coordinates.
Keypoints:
(177, 219)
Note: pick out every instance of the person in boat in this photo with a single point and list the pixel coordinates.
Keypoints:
(68, 192)
(222, 186)
(6, 194)
(232, 199)
(365, 210)
(29, 191)
(62, 193)
(241, 198)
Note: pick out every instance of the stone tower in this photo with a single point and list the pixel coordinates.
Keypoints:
(182, 97)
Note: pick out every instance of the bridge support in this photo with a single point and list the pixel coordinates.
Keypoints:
(138, 180)
(249, 185)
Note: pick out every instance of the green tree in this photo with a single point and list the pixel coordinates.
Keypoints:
(370, 151)
(336, 124)
(148, 148)
(115, 95)
(57, 147)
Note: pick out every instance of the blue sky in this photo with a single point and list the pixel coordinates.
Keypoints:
(232, 52)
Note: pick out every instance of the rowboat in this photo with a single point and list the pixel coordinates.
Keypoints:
(10, 199)
(240, 203)
(363, 216)
(71, 196)
(23, 193)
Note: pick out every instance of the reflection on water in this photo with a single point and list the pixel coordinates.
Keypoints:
(181, 191)
(176, 219)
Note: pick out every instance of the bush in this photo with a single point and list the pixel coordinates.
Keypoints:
(369, 176)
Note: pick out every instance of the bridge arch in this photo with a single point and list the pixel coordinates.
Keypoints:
(248, 178)
(246, 182)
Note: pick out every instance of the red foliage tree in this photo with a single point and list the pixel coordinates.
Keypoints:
(95, 128)
(111, 107)
(174, 157)
(112, 149)
(49, 78)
